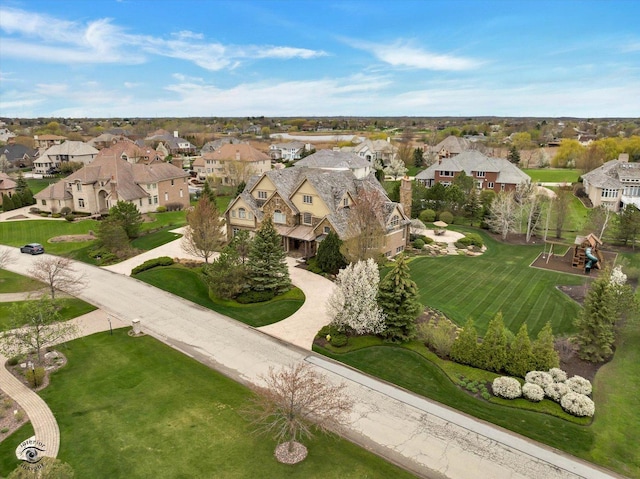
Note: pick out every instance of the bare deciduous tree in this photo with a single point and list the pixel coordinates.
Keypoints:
(503, 214)
(365, 234)
(58, 274)
(5, 258)
(296, 399)
(204, 234)
(33, 326)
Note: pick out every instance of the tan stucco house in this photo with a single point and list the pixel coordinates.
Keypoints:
(614, 184)
(97, 187)
(232, 164)
(69, 151)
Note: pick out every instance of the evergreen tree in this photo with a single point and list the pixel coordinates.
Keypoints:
(7, 203)
(268, 269)
(226, 275)
(596, 322)
(209, 193)
(519, 358)
(17, 201)
(241, 243)
(465, 347)
(398, 298)
(543, 351)
(493, 349)
(129, 217)
(240, 188)
(514, 155)
(418, 157)
(628, 225)
(329, 257)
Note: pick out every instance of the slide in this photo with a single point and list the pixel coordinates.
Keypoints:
(591, 260)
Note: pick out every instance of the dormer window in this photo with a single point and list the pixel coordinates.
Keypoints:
(307, 199)
(262, 195)
(345, 202)
(395, 220)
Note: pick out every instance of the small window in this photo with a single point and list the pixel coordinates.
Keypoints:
(327, 230)
(166, 196)
(395, 220)
(81, 203)
(307, 199)
(233, 213)
(235, 231)
(155, 200)
(181, 194)
(306, 218)
(242, 213)
(345, 202)
(279, 217)
(262, 195)
(78, 187)
(150, 200)
(172, 182)
(502, 187)
(490, 185)
(480, 174)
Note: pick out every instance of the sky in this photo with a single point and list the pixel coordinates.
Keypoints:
(295, 58)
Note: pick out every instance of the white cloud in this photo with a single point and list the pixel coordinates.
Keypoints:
(403, 54)
(287, 52)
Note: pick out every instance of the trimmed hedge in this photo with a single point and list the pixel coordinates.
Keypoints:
(152, 263)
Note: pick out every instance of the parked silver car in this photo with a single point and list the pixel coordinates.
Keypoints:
(32, 248)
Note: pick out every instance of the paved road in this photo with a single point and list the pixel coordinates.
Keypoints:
(423, 436)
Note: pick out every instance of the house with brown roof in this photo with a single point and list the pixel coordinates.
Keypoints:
(306, 204)
(69, 151)
(97, 187)
(131, 152)
(614, 184)
(232, 164)
(7, 186)
(43, 142)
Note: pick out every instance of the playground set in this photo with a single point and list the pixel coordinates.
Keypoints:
(585, 255)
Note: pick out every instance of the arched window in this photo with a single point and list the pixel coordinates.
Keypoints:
(242, 213)
(279, 217)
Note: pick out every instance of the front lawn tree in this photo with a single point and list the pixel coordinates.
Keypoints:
(226, 276)
(365, 233)
(33, 326)
(293, 403)
(329, 258)
(204, 234)
(352, 305)
(58, 274)
(267, 266)
(503, 214)
(129, 217)
(398, 299)
(113, 237)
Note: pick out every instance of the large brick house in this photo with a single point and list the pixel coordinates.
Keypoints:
(306, 204)
(614, 184)
(69, 151)
(495, 174)
(232, 164)
(97, 187)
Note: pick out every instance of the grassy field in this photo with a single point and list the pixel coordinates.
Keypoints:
(187, 284)
(69, 308)
(18, 233)
(553, 175)
(122, 410)
(17, 283)
(500, 280)
(36, 185)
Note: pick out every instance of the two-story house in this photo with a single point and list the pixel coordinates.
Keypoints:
(374, 150)
(496, 174)
(306, 204)
(232, 164)
(69, 151)
(42, 142)
(131, 152)
(97, 187)
(614, 184)
(290, 151)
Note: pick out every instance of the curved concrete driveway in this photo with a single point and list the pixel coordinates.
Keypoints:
(425, 437)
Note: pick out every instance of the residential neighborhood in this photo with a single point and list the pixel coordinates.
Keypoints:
(338, 239)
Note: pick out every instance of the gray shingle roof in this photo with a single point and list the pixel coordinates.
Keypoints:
(610, 174)
(333, 159)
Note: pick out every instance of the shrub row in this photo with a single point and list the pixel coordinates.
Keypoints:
(152, 263)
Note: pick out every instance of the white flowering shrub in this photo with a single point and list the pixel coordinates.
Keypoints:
(578, 404)
(617, 278)
(506, 387)
(558, 375)
(532, 392)
(541, 378)
(579, 385)
(555, 391)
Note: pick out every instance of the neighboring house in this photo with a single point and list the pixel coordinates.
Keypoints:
(106, 140)
(6, 134)
(173, 144)
(18, 155)
(42, 142)
(130, 152)
(333, 160)
(495, 174)
(449, 147)
(234, 163)
(211, 146)
(306, 204)
(97, 187)
(69, 151)
(7, 186)
(289, 151)
(614, 184)
(372, 150)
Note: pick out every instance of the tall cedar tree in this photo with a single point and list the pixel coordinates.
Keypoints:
(398, 298)
(209, 193)
(267, 266)
(204, 234)
(329, 257)
(465, 347)
(519, 358)
(596, 322)
(493, 350)
(226, 275)
(128, 216)
(543, 351)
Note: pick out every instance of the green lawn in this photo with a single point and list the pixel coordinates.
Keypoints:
(36, 185)
(153, 240)
(133, 407)
(174, 219)
(70, 308)
(17, 283)
(187, 284)
(18, 233)
(500, 280)
(553, 175)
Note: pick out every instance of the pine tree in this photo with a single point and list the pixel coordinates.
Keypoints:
(209, 193)
(544, 353)
(21, 184)
(267, 265)
(519, 358)
(329, 257)
(7, 203)
(493, 350)
(465, 347)
(398, 298)
(596, 322)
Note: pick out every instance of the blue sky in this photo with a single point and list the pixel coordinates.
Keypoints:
(150, 58)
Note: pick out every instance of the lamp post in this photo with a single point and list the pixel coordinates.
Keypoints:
(110, 328)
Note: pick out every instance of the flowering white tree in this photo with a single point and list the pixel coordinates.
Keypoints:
(504, 212)
(353, 304)
(395, 168)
